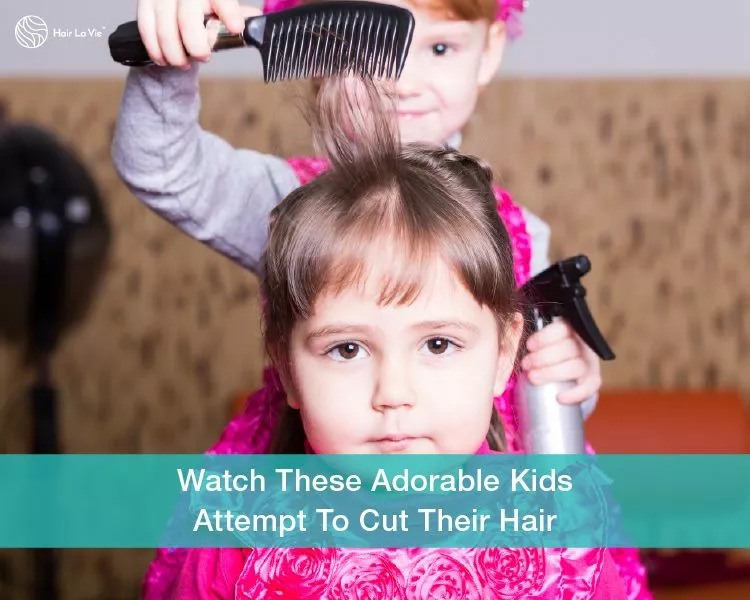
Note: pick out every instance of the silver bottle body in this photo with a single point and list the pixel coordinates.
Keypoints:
(546, 426)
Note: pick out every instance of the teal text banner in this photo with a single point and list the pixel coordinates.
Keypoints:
(126, 501)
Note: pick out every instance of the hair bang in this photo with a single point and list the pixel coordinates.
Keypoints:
(459, 10)
(392, 268)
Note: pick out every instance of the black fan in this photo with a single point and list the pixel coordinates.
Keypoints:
(54, 237)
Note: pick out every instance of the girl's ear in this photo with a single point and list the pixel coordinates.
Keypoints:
(492, 55)
(508, 353)
(292, 398)
(284, 372)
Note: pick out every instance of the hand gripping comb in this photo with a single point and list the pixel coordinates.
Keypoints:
(309, 41)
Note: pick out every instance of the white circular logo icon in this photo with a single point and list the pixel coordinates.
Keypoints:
(31, 31)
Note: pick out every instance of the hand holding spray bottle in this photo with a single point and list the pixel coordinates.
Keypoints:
(546, 425)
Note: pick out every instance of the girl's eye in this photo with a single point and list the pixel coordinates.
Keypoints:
(438, 346)
(440, 49)
(347, 351)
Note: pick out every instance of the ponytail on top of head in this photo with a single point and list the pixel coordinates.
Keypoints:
(353, 122)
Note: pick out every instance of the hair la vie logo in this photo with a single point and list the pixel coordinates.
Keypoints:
(32, 32)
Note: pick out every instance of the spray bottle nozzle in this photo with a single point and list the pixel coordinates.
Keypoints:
(557, 292)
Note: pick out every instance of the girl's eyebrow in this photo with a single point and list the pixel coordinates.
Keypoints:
(448, 324)
(333, 329)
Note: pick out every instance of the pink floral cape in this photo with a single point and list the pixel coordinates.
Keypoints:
(399, 574)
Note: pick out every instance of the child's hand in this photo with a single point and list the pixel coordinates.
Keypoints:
(169, 28)
(557, 354)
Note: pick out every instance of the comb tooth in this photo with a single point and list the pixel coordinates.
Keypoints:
(278, 55)
(316, 55)
(393, 55)
(301, 59)
(290, 61)
(314, 43)
(346, 51)
(386, 49)
(382, 51)
(341, 66)
(328, 66)
(334, 33)
(327, 32)
(373, 60)
(307, 47)
(368, 39)
(358, 60)
(377, 45)
(284, 38)
(354, 49)
(351, 55)
(287, 58)
(398, 58)
(331, 62)
(272, 52)
(337, 47)
(351, 21)
(293, 62)
(367, 22)
(376, 59)
(342, 51)
(360, 45)
(393, 49)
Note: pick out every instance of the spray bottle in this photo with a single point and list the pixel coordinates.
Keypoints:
(546, 425)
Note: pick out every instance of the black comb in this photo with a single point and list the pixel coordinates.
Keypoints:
(315, 40)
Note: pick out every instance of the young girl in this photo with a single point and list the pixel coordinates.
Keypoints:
(222, 195)
(392, 320)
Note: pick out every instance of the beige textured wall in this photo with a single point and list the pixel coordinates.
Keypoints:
(651, 179)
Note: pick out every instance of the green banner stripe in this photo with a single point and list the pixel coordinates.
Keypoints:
(125, 501)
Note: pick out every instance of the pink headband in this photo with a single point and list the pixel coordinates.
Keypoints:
(508, 11)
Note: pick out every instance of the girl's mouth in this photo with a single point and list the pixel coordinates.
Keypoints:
(395, 443)
(410, 114)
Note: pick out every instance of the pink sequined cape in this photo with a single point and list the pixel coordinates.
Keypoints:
(411, 574)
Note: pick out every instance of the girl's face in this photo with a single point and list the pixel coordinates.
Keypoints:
(411, 378)
(448, 63)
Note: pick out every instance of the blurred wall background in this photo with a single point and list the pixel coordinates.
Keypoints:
(626, 125)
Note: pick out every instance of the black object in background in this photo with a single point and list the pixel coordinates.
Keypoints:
(54, 237)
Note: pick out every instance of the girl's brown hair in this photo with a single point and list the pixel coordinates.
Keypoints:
(426, 202)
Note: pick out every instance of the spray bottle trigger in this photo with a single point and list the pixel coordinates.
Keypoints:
(580, 319)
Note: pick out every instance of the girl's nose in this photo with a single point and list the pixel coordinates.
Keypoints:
(411, 81)
(393, 388)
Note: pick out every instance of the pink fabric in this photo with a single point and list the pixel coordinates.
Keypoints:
(398, 573)
(507, 10)
(559, 574)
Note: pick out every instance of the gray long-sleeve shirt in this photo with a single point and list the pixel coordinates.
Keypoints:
(214, 192)
(197, 181)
